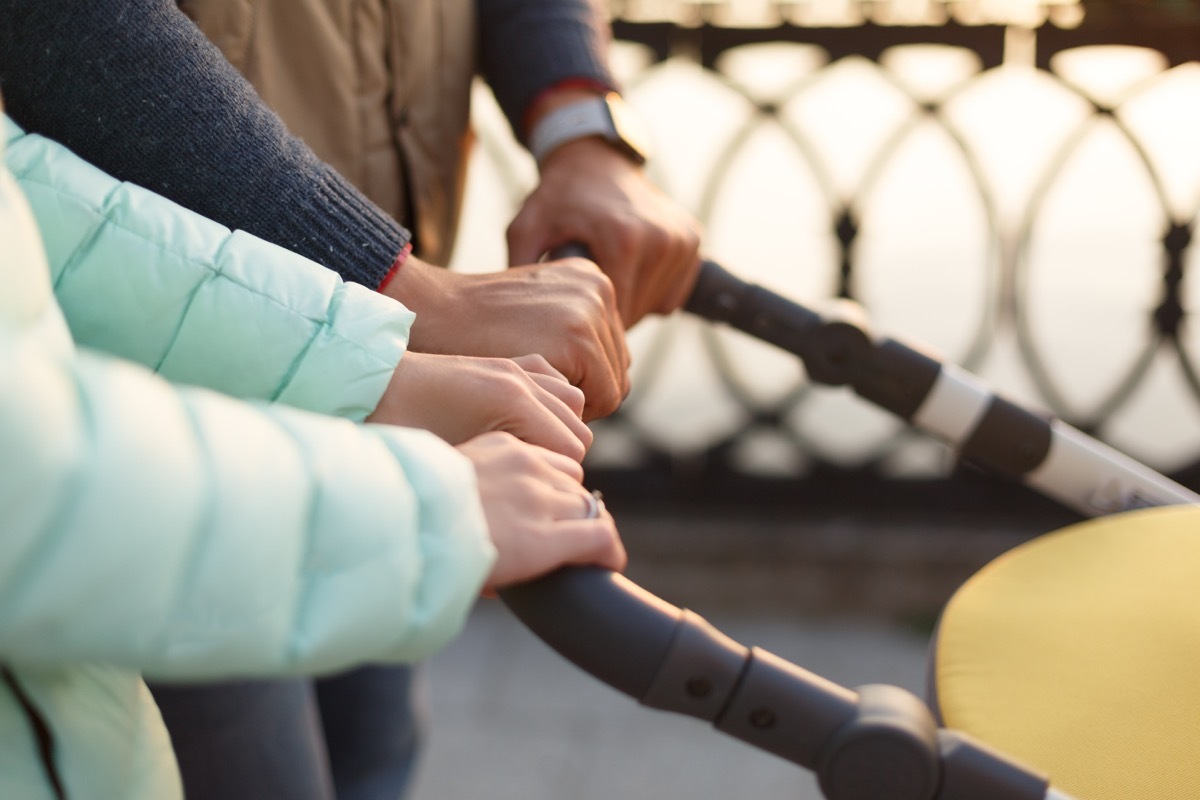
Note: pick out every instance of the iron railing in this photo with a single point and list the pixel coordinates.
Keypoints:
(1071, 298)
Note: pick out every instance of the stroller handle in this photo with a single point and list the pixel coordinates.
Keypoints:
(839, 349)
(940, 398)
(875, 741)
(600, 621)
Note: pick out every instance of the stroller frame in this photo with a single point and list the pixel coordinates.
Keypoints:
(876, 741)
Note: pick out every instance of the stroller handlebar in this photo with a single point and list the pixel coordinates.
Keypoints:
(673, 660)
(603, 623)
(1004, 438)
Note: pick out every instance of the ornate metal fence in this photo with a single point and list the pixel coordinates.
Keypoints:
(1020, 198)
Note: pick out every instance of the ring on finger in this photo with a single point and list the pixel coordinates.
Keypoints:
(593, 504)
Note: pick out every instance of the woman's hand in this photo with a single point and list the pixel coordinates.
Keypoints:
(537, 511)
(565, 310)
(460, 397)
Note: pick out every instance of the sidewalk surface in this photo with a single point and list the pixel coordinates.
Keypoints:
(514, 721)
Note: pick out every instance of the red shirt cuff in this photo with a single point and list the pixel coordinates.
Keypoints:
(396, 265)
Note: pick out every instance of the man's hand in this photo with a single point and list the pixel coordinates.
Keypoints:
(536, 512)
(562, 310)
(461, 397)
(643, 240)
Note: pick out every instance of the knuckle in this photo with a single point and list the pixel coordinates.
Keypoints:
(575, 450)
(583, 267)
(523, 461)
(506, 392)
(503, 439)
(606, 404)
(508, 368)
(519, 226)
(537, 362)
(573, 396)
(579, 328)
(501, 442)
(627, 227)
(657, 240)
(512, 380)
(606, 289)
(575, 470)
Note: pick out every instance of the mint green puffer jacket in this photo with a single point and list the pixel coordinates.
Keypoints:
(152, 528)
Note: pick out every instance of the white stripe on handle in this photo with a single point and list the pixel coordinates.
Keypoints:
(954, 405)
(1094, 479)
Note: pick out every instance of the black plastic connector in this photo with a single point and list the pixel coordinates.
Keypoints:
(786, 710)
(889, 749)
(700, 670)
(837, 349)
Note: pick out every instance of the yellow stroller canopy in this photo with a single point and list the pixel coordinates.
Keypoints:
(1078, 653)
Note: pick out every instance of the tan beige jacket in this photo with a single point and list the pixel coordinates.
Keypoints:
(380, 89)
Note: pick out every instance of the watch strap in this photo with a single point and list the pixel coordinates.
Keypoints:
(567, 123)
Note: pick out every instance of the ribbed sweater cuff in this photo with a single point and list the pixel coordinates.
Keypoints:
(360, 242)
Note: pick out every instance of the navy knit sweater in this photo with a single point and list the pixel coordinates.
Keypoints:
(133, 87)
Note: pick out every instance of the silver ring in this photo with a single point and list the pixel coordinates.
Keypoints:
(593, 504)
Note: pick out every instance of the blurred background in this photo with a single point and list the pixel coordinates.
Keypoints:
(1012, 184)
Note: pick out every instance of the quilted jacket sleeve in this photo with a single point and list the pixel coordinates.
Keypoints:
(185, 534)
(147, 280)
